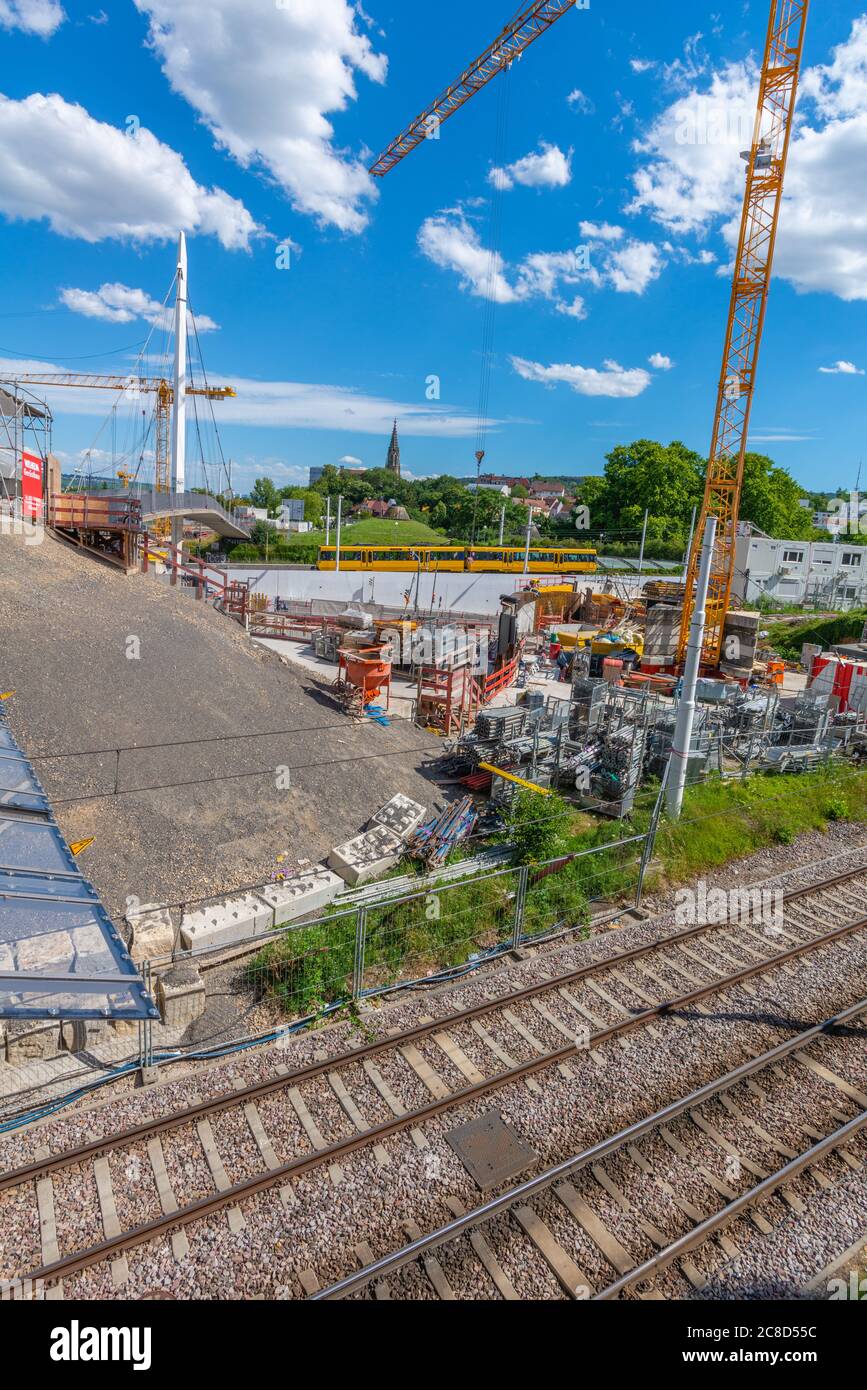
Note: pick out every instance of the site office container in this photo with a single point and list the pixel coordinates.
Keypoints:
(845, 680)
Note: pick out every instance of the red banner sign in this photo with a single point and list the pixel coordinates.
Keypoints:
(31, 486)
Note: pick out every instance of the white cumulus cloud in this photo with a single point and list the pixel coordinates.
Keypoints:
(549, 168)
(612, 380)
(116, 303)
(843, 369)
(451, 241)
(264, 77)
(691, 177)
(580, 102)
(660, 362)
(600, 231)
(90, 180)
(41, 17)
(631, 268)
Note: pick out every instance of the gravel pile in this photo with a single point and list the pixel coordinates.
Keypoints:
(197, 675)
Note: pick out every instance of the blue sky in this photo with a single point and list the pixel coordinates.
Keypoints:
(616, 184)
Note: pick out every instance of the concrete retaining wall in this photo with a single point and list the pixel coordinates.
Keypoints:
(473, 594)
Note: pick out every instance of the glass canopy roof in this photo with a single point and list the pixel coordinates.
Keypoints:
(60, 954)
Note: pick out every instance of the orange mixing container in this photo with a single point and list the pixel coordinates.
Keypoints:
(368, 673)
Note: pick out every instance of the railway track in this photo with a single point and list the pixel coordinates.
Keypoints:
(633, 1249)
(69, 1211)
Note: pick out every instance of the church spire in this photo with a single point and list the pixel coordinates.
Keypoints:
(392, 461)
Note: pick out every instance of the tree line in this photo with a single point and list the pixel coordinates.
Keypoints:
(666, 480)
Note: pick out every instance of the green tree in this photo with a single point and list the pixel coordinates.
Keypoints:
(263, 493)
(262, 532)
(664, 479)
(536, 826)
(771, 500)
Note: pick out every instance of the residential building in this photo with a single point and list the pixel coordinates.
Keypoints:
(291, 509)
(547, 488)
(502, 488)
(373, 507)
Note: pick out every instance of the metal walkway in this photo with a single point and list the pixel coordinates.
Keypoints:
(193, 505)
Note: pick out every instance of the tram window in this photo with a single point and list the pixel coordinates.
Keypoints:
(327, 556)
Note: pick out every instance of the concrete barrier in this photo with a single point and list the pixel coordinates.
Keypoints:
(299, 896)
(225, 923)
(400, 815)
(367, 856)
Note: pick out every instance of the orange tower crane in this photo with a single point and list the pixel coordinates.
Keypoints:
(134, 386)
(766, 167)
(529, 23)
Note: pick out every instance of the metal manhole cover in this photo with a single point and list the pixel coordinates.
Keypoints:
(490, 1150)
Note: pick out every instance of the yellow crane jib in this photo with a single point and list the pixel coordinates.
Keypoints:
(133, 386)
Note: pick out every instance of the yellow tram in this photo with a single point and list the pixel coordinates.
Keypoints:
(477, 559)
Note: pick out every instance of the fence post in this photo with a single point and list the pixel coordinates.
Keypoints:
(358, 960)
(649, 842)
(145, 1027)
(520, 905)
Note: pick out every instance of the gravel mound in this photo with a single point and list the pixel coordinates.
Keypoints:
(100, 661)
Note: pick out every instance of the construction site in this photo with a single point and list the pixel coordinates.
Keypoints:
(442, 935)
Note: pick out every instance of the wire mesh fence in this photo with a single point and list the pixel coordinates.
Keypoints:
(438, 930)
(306, 968)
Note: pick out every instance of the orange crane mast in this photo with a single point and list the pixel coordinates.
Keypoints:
(134, 386)
(523, 30)
(766, 167)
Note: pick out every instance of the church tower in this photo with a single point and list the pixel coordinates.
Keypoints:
(392, 461)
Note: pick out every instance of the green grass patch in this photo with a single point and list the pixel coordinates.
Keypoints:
(788, 638)
(729, 820)
(304, 970)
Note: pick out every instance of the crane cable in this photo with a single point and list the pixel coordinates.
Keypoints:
(495, 226)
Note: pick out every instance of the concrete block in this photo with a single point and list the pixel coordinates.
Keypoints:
(181, 995)
(79, 1034)
(31, 1039)
(123, 1027)
(302, 895)
(153, 933)
(367, 856)
(91, 951)
(52, 952)
(401, 815)
(223, 924)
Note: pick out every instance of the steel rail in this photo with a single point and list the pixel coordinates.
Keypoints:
(594, 1154)
(260, 1090)
(249, 1187)
(721, 1218)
